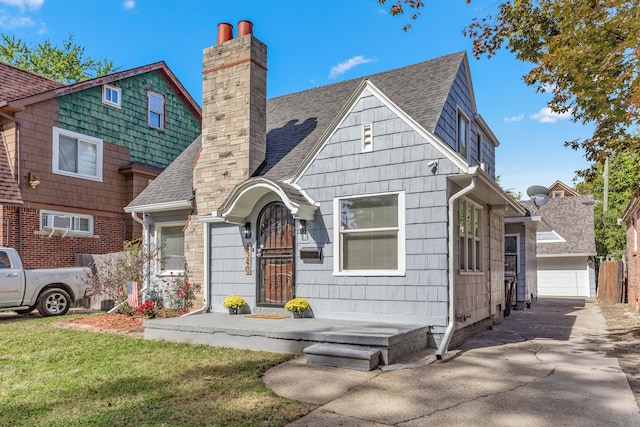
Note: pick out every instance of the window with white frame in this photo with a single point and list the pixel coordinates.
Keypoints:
(66, 222)
(170, 240)
(77, 155)
(111, 95)
(462, 134)
(370, 234)
(155, 110)
(367, 137)
(470, 240)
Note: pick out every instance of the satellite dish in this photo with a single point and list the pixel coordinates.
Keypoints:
(539, 199)
(535, 190)
(539, 195)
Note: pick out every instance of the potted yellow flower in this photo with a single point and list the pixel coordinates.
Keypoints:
(234, 303)
(298, 306)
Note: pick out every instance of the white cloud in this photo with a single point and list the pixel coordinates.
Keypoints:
(545, 115)
(11, 22)
(517, 118)
(128, 4)
(24, 4)
(345, 66)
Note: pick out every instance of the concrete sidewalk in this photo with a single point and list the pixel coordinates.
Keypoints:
(549, 365)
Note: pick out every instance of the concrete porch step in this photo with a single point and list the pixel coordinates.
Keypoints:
(343, 356)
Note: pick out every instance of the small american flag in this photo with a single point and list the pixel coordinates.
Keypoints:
(132, 290)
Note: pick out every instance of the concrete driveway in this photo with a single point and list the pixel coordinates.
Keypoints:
(546, 366)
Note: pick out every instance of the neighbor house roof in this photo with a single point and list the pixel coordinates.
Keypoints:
(561, 186)
(16, 83)
(572, 219)
(60, 90)
(296, 122)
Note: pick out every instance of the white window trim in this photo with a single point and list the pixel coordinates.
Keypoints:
(337, 251)
(67, 232)
(151, 93)
(466, 137)
(158, 240)
(480, 238)
(517, 253)
(80, 137)
(367, 137)
(108, 101)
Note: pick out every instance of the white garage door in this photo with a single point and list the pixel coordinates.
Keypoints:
(567, 277)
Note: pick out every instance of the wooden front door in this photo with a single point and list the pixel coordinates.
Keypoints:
(275, 243)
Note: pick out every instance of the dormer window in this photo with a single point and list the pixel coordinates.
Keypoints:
(155, 110)
(462, 134)
(111, 95)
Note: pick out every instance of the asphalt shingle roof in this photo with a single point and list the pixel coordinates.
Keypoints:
(16, 83)
(295, 122)
(572, 219)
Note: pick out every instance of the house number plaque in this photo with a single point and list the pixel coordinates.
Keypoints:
(247, 259)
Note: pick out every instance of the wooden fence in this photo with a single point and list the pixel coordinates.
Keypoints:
(611, 282)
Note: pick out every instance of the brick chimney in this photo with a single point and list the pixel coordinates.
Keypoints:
(234, 101)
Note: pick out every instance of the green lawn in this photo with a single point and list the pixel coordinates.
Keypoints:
(50, 376)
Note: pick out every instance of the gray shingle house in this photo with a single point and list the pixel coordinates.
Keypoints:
(374, 198)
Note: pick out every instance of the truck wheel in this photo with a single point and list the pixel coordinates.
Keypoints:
(53, 302)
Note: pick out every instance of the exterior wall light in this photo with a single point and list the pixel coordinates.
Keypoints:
(246, 230)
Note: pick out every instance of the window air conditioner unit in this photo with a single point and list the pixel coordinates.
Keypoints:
(58, 222)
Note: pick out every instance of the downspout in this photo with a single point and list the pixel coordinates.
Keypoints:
(442, 349)
(147, 280)
(205, 275)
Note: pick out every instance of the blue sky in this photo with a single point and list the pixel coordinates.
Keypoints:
(313, 43)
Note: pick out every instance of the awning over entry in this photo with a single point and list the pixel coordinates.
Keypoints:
(245, 195)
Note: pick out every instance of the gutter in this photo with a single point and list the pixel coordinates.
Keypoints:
(147, 276)
(442, 349)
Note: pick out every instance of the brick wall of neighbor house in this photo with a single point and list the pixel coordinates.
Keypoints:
(633, 261)
(84, 112)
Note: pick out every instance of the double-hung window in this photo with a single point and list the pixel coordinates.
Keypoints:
(77, 155)
(470, 236)
(171, 245)
(370, 234)
(155, 110)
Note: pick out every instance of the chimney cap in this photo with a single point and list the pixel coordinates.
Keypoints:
(245, 27)
(225, 32)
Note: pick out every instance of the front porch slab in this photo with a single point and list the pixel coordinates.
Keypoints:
(289, 335)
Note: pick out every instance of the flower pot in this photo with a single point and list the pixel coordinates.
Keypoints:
(233, 311)
(298, 314)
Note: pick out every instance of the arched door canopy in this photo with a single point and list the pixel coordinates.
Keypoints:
(245, 195)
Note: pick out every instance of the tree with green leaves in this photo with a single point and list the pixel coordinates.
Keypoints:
(65, 62)
(621, 176)
(584, 52)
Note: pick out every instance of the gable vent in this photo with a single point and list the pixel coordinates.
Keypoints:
(367, 137)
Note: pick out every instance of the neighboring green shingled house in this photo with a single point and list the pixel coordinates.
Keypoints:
(73, 156)
(374, 198)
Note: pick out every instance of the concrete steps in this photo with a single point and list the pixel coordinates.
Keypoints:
(343, 356)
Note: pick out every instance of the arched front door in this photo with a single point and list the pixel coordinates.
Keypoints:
(275, 243)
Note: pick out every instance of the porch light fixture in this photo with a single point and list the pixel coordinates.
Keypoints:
(246, 230)
(302, 226)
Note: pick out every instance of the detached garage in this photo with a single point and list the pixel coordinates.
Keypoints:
(566, 254)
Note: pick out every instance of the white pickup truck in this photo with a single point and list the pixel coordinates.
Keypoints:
(51, 291)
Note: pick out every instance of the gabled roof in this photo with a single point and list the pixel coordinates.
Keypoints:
(161, 67)
(561, 186)
(295, 122)
(572, 219)
(16, 83)
(298, 121)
